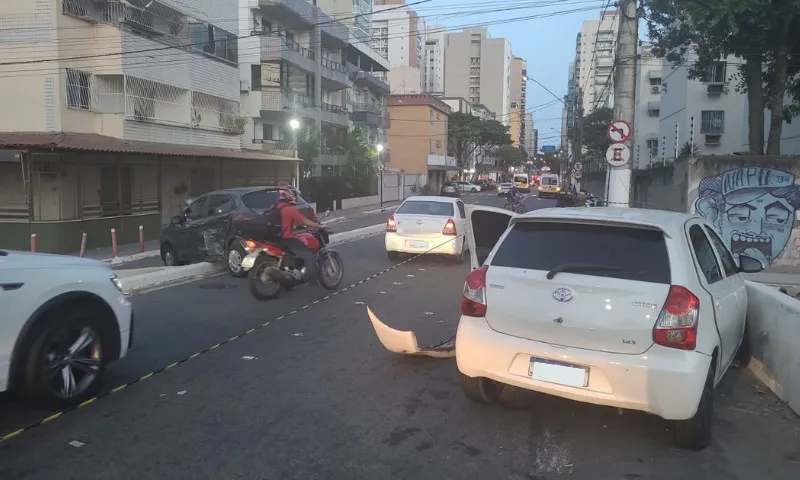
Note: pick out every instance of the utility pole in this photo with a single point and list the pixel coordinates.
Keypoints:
(578, 144)
(619, 179)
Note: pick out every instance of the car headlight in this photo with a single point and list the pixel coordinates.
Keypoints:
(117, 282)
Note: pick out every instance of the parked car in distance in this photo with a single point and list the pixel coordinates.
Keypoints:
(486, 185)
(635, 309)
(468, 187)
(217, 226)
(430, 225)
(65, 319)
(449, 189)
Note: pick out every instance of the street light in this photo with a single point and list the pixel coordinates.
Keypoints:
(379, 147)
(294, 124)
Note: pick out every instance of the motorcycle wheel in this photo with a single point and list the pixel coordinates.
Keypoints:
(330, 270)
(261, 286)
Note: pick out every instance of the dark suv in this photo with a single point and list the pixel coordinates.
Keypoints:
(215, 226)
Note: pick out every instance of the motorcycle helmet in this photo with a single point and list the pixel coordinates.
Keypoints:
(287, 196)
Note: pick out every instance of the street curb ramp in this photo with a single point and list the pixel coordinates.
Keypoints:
(168, 275)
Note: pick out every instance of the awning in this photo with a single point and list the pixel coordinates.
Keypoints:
(90, 142)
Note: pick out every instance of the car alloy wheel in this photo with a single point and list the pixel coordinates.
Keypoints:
(72, 362)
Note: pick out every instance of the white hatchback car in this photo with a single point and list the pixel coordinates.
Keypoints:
(635, 309)
(427, 224)
(64, 320)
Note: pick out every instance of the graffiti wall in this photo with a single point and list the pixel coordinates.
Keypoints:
(753, 207)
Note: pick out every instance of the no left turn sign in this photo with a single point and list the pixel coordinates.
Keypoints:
(619, 131)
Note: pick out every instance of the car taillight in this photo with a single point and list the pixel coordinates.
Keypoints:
(449, 228)
(473, 300)
(249, 245)
(676, 326)
(391, 225)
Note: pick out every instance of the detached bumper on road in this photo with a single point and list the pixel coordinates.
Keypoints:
(661, 381)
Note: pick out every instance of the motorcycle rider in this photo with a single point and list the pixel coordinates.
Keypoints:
(512, 197)
(291, 216)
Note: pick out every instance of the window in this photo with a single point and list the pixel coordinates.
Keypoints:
(197, 209)
(652, 147)
(715, 73)
(219, 205)
(655, 82)
(255, 77)
(442, 209)
(705, 255)
(712, 121)
(78, 89)
(461, 210)
(728, 263)
(261, 199)
(637, 254)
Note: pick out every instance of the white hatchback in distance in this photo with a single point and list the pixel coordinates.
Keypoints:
(427, 224)
(64, 319)
(628, 308)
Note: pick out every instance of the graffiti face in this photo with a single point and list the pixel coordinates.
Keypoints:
(752, 208)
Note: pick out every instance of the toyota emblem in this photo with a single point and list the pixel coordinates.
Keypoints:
(562, 294)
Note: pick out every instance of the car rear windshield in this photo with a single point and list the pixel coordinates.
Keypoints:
(420, 207)
(260, 200)
(549, 181)
(635, 253)
(522, 178)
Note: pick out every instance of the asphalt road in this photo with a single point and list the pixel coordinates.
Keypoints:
(322, 399)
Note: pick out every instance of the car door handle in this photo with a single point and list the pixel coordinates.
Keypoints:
(9, 287)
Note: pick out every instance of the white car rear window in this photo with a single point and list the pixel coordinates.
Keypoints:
(634, 253)
(422, 207)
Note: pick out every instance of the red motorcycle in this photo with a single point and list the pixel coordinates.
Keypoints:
(271, 269)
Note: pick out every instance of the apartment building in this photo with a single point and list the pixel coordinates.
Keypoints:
(419, 124)
(433, 75)
(594, 60)
(529, 141)
(356, 15)
(124, 124)
(516, 115)
(646, 135)
(478, 68)
(398, 34)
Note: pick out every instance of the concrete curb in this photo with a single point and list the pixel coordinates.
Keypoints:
(163, 276)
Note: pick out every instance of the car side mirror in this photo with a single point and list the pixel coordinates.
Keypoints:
(749, 264)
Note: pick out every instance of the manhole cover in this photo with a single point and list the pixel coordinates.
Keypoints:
(216, 286)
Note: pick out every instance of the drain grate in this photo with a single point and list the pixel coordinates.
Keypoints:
(216, 286)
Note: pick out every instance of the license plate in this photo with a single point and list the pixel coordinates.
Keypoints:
(417, 244)
(560, 373)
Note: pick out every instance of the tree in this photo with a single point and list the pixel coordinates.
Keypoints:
(468, 135)
(758, 31)
(509, 156)
(595, 132)
(307, 147)
(360, 157)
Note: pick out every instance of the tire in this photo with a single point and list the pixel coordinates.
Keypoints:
(459, 258)
(236, 249)
(481, 390)
(169, 256)
(58, 332)
(334, 282)
(474, 190)
(258, 288)
(696, 433)
(393, 256)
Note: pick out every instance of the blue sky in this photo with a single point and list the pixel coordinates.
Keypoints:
(548, 44)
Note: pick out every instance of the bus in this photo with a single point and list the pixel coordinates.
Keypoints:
(522, 182)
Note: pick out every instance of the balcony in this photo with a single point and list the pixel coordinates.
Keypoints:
(275, 49)
(290, 102)
(333, 114)
(332, 156)
(291, 12)
(278, 147)
(334, 75)
(441, 162)
(371, 115)
(366, 79)
(604, 61)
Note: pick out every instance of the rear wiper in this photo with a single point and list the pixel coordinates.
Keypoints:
(580, 268)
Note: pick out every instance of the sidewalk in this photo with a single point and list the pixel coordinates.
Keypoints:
(131, 251)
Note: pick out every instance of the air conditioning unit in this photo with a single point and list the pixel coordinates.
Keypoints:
(715, 89)
(243, 86)
(713, 139)
(254, 33)
(655, 89)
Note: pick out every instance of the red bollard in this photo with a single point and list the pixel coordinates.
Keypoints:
(114, 243)
(33, 242)
(141, 239)
(83, 244)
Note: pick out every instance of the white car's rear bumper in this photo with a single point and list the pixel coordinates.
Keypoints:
(434, 245)
(662, 381)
